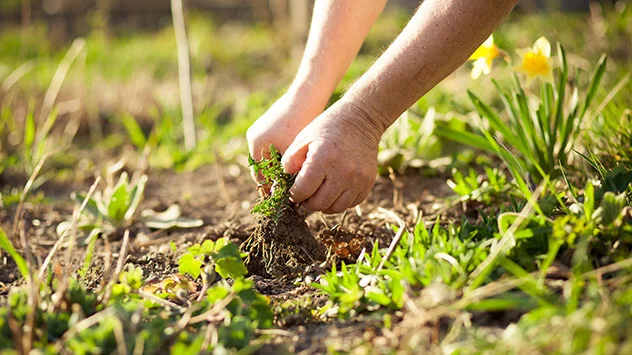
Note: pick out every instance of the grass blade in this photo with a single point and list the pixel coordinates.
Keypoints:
(6, 245)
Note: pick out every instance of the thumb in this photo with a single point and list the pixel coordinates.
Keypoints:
(294, 157)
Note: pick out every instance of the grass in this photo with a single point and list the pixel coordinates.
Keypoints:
(533, 256)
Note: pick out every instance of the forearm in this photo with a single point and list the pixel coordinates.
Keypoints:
(439, 38)
(337, 32)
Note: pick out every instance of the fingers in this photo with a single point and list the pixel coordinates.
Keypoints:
(324, 197)
(343, 202)
(294, 157)
(307, 182)
(361, 197)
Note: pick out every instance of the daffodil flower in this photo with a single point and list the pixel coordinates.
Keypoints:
(483, 58)
(536, 61)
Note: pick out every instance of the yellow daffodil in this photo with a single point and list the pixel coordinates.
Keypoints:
(483, 58)
(536, 61)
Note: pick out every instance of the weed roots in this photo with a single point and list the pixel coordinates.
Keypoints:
(283, 247)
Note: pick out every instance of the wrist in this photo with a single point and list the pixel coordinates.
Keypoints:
(361, 118)
(312, 89)
(368, 113)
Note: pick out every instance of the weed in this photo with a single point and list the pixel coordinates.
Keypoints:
(273, 177)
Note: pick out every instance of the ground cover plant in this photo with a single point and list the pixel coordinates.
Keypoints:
(501, 221)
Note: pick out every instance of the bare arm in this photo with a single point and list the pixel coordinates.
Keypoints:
(438, 39)
(337, 31)
(336, 154)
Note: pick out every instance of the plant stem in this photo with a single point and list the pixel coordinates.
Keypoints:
(184, 73)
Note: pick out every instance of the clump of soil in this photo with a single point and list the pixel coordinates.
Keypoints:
(283, 247)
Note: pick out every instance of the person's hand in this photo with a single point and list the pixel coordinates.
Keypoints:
(280, 124)
(336, 159)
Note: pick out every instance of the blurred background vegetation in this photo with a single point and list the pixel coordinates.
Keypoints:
(122, 88)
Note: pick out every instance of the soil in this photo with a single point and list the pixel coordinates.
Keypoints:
(222, 196)
(281, 248)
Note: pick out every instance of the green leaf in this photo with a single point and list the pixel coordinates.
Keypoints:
(594, 83)
(29, 130)
(207, 247)
(119, 202)
(230, 267)
(610, 208)
(92, 238)
(6, 245)
(137, 196)
(507, 302)
(464, 137)
(188, 264)
(226, 250)
(135, 132)
(589, 199)
(377, 295)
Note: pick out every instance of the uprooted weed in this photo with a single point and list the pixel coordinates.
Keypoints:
(282, 243)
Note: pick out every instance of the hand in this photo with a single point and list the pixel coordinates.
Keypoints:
(280, 124)
(336, 159)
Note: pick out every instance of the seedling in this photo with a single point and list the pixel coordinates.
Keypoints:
(115, 208)
(222, 256)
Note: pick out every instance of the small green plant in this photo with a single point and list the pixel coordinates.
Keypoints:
(475, 187)
(68, 318)
(23, 143)
(222, 256)
(274, 177)
(409, 142)
(115, 207)
(116, 204)
(6, 245)
(421, 258)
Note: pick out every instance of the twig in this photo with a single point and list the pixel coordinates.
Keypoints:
(60, 76)
(19, 210)
(219, 306)
(83, 325)
(16, 75)
(119, 267)
(161, 301)
(184, 73)
(75, 219)
(210, 337)
(279, 332)
(396, 239)
(119, 336)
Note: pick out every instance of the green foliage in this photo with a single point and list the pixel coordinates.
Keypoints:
(6, 245)
(541, 129)
(115, 207)
(421, 258)
(116, 204)
(476, 187)
(23, 143)
(273, 176)
(128, 320)
(410, 141)
(222, 256)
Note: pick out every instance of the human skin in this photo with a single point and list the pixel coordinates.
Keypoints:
(335, 152)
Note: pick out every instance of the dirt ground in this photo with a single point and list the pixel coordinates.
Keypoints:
(222, 196)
